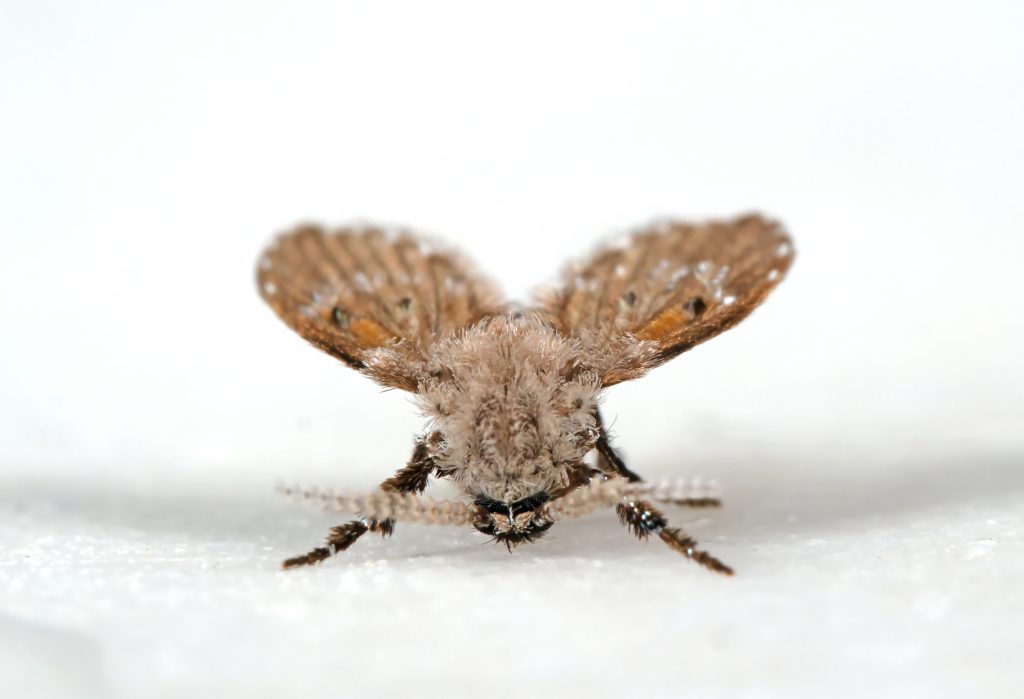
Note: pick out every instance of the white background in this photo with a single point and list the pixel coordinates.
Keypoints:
(865, 423)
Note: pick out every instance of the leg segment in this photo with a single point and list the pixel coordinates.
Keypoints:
(409, 479)
(643, 520)
(608, 461)
(696, 503)
(340, 538)
(412, 478)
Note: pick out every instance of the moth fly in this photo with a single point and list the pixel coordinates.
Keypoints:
(511, 396)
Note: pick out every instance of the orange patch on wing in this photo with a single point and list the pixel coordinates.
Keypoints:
(662, 325)
(369, 333)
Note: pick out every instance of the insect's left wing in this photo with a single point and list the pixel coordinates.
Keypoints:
(375, 299)
(666, 288)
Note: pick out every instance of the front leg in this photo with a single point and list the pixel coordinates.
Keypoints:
(607, 459)
(643, 520)
(412, 478)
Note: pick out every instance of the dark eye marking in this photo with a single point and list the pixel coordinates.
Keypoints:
(530, 503)
(695, 307)
(499, 507)
(493, 506)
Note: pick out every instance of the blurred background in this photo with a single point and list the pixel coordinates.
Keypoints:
(865, 423)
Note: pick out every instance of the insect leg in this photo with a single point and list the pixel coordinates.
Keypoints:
(607, 460)
(697, 503)
(339, 539)
(643, 520)
(411, 478)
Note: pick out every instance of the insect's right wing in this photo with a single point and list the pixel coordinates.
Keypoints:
(666, 289)
(376, 300)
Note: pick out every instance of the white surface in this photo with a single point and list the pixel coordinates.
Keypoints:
(865, 423)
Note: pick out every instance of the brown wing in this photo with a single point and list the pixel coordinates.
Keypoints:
(667, 288)
(352, 292)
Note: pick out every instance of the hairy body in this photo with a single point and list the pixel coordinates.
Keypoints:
(515, 404)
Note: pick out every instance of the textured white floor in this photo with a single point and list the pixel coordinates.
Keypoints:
(899, 580)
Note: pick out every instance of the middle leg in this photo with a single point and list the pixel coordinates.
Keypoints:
(412, 478)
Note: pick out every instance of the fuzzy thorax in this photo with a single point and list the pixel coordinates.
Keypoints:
(515, 404)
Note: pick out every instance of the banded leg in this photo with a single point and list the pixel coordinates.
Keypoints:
(696, 503)
(607, 459)
(412, 478)
(643, 520)
(610, 462)
(339, 539)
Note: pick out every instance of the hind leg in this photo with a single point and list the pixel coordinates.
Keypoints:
(643, 520)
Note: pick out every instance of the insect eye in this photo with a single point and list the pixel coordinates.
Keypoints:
(530, 503)
(499, 507)
(491, 505)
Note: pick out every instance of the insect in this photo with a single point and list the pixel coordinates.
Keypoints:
(511, 394)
